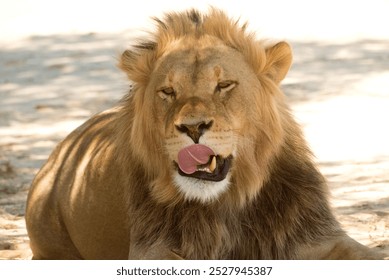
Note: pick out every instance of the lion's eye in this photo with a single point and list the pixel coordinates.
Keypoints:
(225, 86)
(167, 93)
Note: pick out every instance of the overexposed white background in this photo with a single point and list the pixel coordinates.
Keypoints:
(298, 19)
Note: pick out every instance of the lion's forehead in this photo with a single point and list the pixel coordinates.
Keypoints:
(198, 64)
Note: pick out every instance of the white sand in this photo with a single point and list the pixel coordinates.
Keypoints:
(338, 88)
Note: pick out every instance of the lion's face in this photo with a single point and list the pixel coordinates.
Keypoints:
(198, 96)
(207, 118)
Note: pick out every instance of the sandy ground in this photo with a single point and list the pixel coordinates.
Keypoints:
(338, 90)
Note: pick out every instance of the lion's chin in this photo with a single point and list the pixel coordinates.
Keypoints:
(201, 190)
(203, 185)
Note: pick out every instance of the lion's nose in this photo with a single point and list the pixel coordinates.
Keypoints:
(195, 131)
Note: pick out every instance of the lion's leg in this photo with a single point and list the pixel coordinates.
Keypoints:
(49, 240)
(340, 248)
(54, 250)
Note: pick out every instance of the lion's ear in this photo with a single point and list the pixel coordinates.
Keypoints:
(127, 60)
(137, 63)
(129, 63)
(278, 61)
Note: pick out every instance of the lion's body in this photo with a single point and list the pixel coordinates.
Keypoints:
(117, 188)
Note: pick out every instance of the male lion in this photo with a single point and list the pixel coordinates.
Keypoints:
(202, 160)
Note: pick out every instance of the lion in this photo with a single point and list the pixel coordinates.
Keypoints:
(201, 160)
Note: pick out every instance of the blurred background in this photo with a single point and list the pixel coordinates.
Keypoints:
(58, 67)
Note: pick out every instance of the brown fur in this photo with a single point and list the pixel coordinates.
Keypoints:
(107, 191)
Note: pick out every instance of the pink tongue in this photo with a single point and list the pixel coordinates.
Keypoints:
(193, 155)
